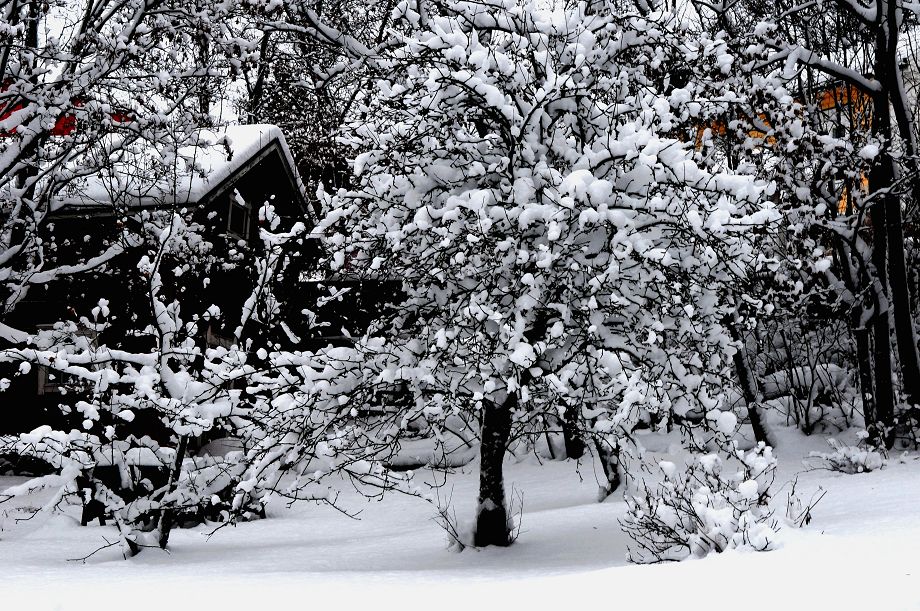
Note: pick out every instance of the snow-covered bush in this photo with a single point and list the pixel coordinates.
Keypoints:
(809, 375)
(140, 385)
(704, 508)
(846, 458)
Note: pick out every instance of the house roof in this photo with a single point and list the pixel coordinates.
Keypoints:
(141, 176)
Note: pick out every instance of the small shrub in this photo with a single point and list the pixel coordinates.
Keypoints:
(846, 459)
(703, 509)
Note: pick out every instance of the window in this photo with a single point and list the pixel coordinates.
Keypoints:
(214, 339)
(238, 217)
(49, 383)
(54, 382)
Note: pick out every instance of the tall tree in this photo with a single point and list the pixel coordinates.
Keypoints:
(560, 248)
(861, 61)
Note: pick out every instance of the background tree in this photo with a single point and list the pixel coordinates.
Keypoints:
(843, 69)
(308, 76)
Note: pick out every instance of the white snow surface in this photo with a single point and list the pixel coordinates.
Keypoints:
(861, 551)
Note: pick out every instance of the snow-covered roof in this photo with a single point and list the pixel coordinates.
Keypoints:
(144, 175)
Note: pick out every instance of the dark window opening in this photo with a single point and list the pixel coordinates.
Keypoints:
(238, 218)
(51, 381)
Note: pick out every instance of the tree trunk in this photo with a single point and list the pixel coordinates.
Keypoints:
(749, 387)
(902, 308)
(864, 364)
(862, 307)
(888, 232)
(258, 88)
(205, 95)
(885, 215)
(571, 435)
(881, 431)
(168, 515)
(610, 463)
(492, 524)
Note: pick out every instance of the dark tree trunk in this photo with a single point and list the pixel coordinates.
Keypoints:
(257, 89)
(864, 363)
(881, 430)
(610, 462)
(492, 524)
(884, 213)
(888, 232)
(168, 515)
(205, 95)
(902, 308)
(749, 387)
(571, 433)
(860, 327)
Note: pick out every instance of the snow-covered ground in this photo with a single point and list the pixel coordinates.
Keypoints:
(861, 551)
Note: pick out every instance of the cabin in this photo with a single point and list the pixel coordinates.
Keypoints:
(220, 181)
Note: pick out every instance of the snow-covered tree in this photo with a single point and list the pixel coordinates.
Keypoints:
(847, 163)
(805, 137)
(564, 253)
(173, 367)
